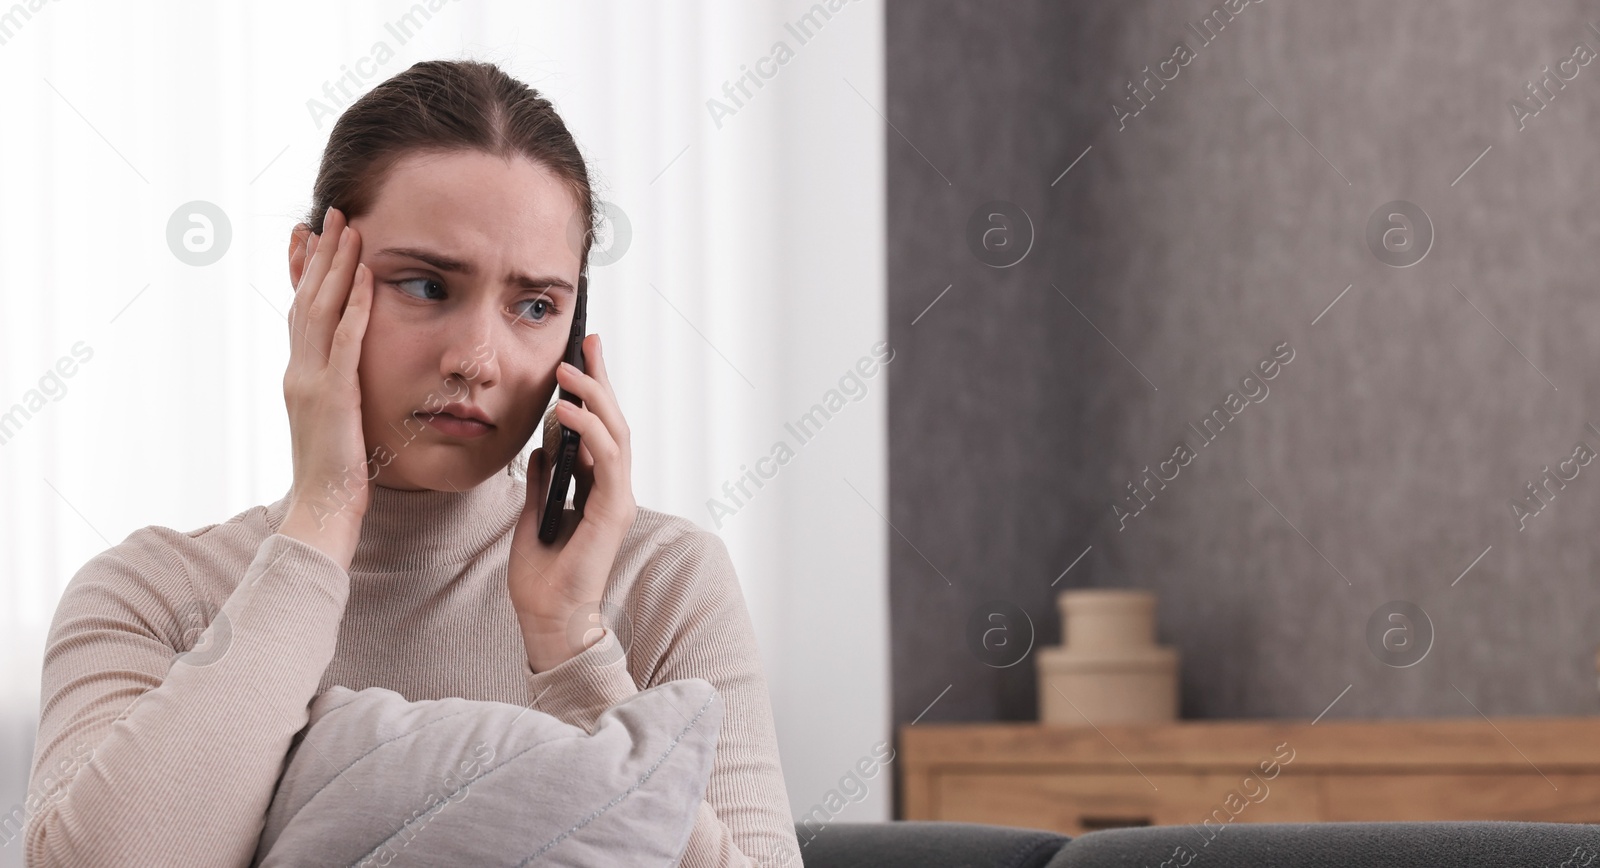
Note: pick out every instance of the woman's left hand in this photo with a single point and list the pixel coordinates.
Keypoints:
(551, 583)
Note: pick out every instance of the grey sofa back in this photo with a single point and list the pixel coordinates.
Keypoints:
(925, 844)
(1339, 845)
(938, 844)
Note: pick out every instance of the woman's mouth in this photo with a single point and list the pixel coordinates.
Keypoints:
(455, 426)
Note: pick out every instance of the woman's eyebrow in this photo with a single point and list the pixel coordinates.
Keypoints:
(458, 266)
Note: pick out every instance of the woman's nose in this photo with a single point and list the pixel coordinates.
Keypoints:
(472, 354)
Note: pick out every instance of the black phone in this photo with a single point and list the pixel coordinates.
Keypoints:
(564, 451)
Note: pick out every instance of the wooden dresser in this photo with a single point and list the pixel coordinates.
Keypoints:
(1078, 779)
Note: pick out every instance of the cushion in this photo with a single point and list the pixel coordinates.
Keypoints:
(376, 779)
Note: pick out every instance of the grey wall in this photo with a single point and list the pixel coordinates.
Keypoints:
(1196, 239)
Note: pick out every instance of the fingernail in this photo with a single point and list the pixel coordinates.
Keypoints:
(342, 233)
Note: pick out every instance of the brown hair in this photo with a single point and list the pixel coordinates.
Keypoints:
(440, 106)
(445, 105)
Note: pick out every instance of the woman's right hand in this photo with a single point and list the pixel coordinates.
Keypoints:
(320, 387)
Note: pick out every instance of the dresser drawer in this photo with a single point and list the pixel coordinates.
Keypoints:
(1076, 802)
(1564, 798)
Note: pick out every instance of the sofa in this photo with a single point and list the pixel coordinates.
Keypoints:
(939, 844)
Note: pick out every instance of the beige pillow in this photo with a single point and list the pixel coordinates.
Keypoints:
(375, 779)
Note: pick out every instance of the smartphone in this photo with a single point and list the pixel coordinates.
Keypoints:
(562, 449)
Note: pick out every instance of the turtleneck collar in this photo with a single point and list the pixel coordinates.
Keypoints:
(407, 531)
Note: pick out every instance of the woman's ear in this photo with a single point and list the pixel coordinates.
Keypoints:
(299, 241)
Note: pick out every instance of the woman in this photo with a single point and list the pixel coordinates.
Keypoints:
(435, 280)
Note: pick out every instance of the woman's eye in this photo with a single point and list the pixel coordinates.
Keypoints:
(423, 280)
(543, 313)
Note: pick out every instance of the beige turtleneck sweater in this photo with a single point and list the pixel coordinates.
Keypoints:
(146, 757)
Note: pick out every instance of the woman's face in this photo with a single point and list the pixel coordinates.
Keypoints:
(474, 282)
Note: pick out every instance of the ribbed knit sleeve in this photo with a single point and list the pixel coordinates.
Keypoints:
(690, 594)
(152, 758)
(583, 686)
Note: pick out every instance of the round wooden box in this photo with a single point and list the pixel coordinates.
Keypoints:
(1110, 670)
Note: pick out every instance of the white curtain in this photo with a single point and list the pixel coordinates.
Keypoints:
(140, 389)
